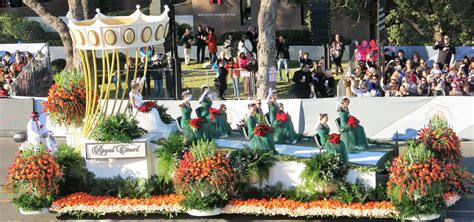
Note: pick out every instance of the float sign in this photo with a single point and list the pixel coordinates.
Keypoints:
(115, 150)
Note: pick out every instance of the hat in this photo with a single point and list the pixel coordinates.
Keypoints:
(34, 114)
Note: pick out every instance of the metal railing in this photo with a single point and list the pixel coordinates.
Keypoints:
(237, 88)
(341, 85)
(35, 78)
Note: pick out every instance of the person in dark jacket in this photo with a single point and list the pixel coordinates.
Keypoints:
(200, 43)
(319, 80)
(283, 56)
(305, 60)
(302, 79)
(156, 70)
(446, 50)
(221, 80)
(169, 72)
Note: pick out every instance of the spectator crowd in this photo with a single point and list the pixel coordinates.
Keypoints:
(12, 64)
(411, 76)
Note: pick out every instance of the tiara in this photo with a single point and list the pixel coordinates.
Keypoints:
(119, 32)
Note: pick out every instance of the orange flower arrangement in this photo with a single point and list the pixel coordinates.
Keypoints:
(34, 172)
(100, 205)
(411, 177)
(283, 206)
(215, 171)
(66, 105)
(442, 140)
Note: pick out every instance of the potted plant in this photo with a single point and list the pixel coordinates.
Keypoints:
(205, 177)
(323, 172)
(34, 178)
(252, 165)
(416, 183)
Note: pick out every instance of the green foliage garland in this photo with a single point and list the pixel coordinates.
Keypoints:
(117, 128)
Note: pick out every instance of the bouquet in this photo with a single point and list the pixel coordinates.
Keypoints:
(261, 129)
(282, 117)
(204, 176)
(66, 105)
(214, 112)
(334, 138)
(352, 121)
(34, 172)
(443, 141)
(147, 107)
(195, 124)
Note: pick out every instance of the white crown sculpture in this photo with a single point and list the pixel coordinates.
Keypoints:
(119, 32)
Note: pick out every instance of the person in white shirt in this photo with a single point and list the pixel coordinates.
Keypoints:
(245, 45)
(363, 91)
(36, 130)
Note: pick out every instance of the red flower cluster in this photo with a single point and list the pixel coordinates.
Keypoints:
(147, 107)
(215, 171)
(66, 105)
(35, 173)
(458, 179)
(334, 138)
(282, 117)
(443, 141)
(214, 112)
(196, 123)
(413, 177)
(352, 121)
(261, 129)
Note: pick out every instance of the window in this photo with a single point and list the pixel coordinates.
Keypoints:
(245, 12)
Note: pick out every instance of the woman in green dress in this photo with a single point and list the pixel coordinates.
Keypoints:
(191, 135)
(283, 132)
(223, 109)
(217, 122)
(323, 131)
(353, 137)
(258, 142)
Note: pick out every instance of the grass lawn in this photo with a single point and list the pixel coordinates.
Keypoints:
(194, 76)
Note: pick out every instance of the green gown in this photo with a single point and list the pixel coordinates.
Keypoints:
(354, 138)
(323, 131)
(190, 135)
(218, 125)
(282, 132)
(256, 142)
(227, 125)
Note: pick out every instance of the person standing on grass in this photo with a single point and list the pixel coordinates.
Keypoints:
(200, 43)
(337, 50)
(157, 74)
(229, 47)
(283, 57)
(187, 40)
(212, 45)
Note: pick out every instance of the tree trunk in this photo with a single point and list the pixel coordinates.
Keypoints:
(86, 9)
(58, 25)
(266, 44)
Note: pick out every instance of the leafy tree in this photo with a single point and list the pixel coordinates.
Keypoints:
(412, 22)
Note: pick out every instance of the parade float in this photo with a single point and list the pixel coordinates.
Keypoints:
(114, 167)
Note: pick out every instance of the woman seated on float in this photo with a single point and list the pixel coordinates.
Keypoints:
(352, 133)
(258, 131)
(217, 122)
(330, 142)
(197, 128)
(283, 131)
(150, 121)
